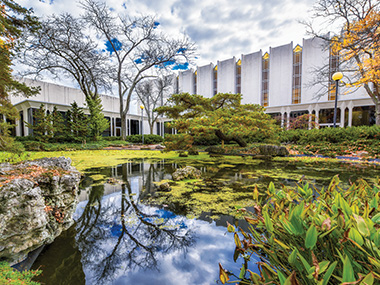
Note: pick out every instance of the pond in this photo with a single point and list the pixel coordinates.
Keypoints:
(126, 232)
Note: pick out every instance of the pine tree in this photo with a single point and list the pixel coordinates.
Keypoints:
(78, 123)
(68, 126)
(41, 126)
(57, 123)
(13, 18)
(97, 122)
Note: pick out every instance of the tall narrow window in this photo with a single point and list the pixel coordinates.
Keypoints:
(333, 67)
(238, 77)
(297, 71)
(265, 80)
(215, 80)
(195, 82)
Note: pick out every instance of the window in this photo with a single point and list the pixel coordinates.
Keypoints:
(238, 76)
(215, 80)
(265, 81)
(363, 116)
(297, 72)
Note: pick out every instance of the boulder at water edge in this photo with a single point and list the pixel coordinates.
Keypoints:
(37, 201)
(188, 172)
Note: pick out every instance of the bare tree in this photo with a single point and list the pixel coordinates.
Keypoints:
(356, 43)
(152, 94)
(134, 237)
(136, 49)
(61, 47)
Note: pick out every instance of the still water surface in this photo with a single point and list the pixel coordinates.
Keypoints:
(118, 238)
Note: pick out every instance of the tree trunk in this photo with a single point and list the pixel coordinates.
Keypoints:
(240, 141)
(123, 126)
(236, 139)
(151, 127)
(377, 112)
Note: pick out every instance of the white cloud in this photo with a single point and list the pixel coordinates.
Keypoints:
(221, 29)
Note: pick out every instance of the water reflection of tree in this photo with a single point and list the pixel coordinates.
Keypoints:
(155, 173)
(133, 246)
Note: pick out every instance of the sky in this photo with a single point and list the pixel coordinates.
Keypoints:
(220, 29)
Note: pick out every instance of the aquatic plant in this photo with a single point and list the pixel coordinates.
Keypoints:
(303, 235)
(8, 275)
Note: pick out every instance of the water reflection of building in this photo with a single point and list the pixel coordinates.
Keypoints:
(140, 175)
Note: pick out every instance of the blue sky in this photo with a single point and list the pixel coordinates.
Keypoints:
(221, 29)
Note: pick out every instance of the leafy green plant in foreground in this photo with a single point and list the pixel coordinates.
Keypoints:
(308, 236)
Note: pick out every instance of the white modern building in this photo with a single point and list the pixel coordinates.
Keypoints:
(62, 97)
(283, 81)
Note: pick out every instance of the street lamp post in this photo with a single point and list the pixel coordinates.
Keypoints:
(336, 77)
(142, 123)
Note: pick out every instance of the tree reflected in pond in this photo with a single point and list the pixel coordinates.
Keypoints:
(117, 234)
(120, 238)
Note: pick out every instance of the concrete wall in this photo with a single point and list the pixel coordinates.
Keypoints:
(205, 76)
(186, 82)
(280, 75)
(251, 77)
(54, 94)
(313, 58)
(227, 76)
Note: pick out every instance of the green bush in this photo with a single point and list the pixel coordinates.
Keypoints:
(310, 236)
(33, 146)
(332, 135)
(110, 139)
(8, 275)
(206, 139)
(192, 151)
(26, 138)
(215, 150)
(14, 147)
(148, 139)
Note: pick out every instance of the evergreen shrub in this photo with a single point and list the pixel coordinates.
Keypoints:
(148, 139)
(110, 139)
(331, 135)
(215, 150)
(206, 139)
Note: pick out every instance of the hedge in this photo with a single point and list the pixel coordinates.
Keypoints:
(331, 135)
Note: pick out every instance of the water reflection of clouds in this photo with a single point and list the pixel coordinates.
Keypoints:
(199, 265)
(193, 262)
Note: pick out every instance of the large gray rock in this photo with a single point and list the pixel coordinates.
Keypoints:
(164, 187)
(273, 150)
(36, 206)
(187, 172)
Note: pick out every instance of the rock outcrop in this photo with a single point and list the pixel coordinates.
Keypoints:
(37, 201)
(273, 150)
(187, 172)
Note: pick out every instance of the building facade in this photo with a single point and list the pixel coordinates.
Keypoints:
(53, 95)
(283, 80)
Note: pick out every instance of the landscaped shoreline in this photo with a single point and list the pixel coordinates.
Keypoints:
(83, 159)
